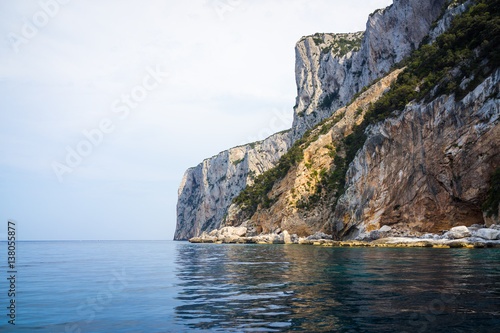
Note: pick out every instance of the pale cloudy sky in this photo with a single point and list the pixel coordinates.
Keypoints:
(88, 78)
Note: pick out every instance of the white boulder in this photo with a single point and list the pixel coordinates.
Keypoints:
(458, 232)
(487, 233)
(231, 232)
(385, 228)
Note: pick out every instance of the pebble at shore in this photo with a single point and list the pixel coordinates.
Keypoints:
(457, 237)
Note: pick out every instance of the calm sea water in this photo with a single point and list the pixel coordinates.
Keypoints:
(164, 286)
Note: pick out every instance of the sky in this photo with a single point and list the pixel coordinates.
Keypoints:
(105, 104)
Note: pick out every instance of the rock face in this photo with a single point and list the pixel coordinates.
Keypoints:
(328, 75)
(206, 191)
(428, 169)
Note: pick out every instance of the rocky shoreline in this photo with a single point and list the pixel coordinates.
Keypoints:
(476, 236)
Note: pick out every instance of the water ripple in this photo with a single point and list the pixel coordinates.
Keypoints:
(315, 289)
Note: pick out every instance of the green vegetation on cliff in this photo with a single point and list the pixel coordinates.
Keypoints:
(338, 44)
(343, 45)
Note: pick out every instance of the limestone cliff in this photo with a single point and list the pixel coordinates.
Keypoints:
(303, 180)
(206, 191)
(331, 68)
(416, 151)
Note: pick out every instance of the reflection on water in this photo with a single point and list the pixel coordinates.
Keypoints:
(309, 288)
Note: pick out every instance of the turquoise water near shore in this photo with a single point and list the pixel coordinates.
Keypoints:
(166, 286)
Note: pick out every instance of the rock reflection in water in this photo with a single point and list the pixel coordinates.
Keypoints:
(313, 289)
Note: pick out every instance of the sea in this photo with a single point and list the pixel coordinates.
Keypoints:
(168, 286)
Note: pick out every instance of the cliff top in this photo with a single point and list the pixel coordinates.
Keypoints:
(339, 44)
